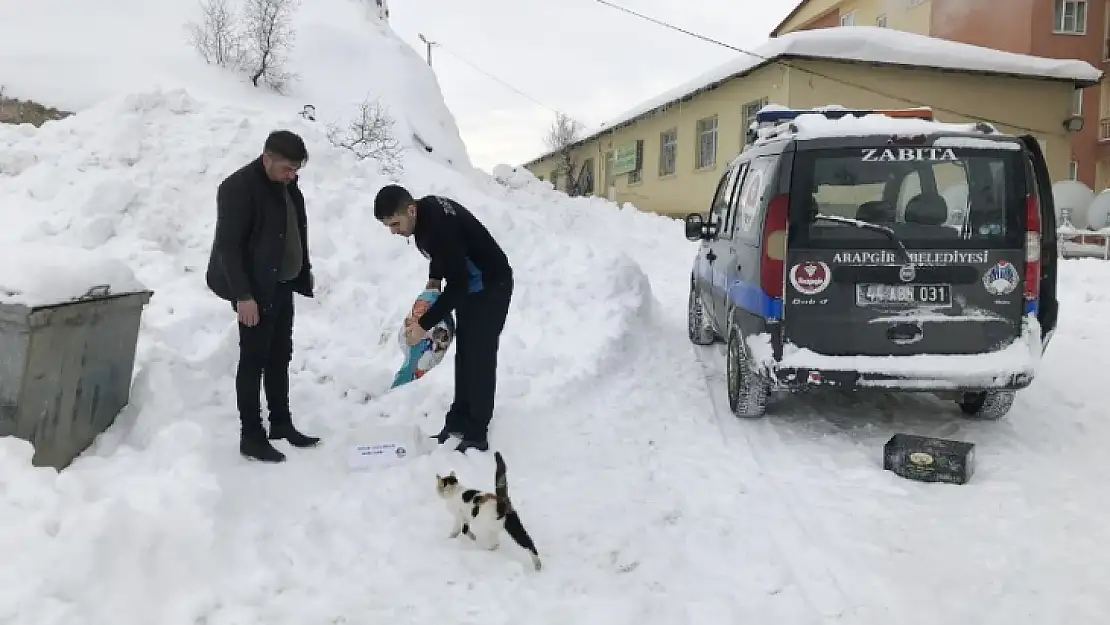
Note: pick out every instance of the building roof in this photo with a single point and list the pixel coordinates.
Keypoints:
(791, 14)
(868, 44)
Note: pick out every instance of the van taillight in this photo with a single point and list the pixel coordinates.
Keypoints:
(774, 246)
(1032, 248)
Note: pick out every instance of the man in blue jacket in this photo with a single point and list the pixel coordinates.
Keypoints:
(479, 289)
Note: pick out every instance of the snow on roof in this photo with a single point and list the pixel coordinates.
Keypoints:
(869, 44)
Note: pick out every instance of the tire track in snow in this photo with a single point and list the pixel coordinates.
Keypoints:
(687, 531)
(815, 580)
(1018, 483)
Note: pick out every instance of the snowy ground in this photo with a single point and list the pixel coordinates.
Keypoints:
(648, 501)
(650, 504)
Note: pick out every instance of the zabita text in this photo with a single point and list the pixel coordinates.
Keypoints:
(871, 155)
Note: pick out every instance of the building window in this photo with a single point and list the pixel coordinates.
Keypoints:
(1077, 102)
(637, 175)
(1069, 17)
(749, 111)
(881, 21)
(706, 155)
(1073, 170)
(848, 19)
(668, 152)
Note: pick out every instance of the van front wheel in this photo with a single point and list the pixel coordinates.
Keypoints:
(986, 405)
(747, 390)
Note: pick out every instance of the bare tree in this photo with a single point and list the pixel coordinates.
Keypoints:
(216, 37)
(269, 35)
(370, 135)
(560, 139)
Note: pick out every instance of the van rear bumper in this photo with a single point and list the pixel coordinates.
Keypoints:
(800, 378)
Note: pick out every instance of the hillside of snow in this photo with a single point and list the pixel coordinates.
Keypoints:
(649, 503)
(75, 55)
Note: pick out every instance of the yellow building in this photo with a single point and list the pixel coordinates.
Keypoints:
(666, 155)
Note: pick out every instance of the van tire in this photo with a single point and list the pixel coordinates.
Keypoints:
(747, 390)
(698, 326)
(986, 405)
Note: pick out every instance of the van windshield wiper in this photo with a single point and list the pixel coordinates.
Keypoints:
(867, 225)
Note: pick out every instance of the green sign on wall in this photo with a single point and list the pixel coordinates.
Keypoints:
(624, 159)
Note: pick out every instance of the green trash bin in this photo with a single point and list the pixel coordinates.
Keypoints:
(65, 370)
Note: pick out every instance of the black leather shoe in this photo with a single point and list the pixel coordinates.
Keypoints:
(256, 447)
(467, 445)
(289, 433)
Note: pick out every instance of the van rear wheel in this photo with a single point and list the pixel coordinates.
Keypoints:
(986, 405)
(747, 390)
(698, 327)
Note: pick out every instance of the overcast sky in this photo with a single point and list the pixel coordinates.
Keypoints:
(579, 57)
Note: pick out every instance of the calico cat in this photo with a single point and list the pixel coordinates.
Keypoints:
(485, 513)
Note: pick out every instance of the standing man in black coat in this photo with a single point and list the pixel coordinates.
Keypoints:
(259, 259)
(479, 289)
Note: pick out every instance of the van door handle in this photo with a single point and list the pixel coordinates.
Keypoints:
(711, 256)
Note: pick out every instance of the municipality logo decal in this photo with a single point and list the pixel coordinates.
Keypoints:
(1001, 279)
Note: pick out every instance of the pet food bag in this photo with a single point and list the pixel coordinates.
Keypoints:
(422, 357)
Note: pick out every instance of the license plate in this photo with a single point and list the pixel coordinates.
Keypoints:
(903, 295)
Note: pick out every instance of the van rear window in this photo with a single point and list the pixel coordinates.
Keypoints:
(929, 196)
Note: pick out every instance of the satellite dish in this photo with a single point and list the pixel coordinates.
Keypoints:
(1098, 214)
(1074, 196)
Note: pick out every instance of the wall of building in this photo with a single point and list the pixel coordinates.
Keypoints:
(978, 22)
(908, 15)
(808, 13)
(1018, 104)
(899, 14)
(689, 189)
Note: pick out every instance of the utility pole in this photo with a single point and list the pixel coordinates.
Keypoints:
(429, 45)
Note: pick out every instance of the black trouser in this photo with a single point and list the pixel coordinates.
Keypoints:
(479, 320)
(265, 351)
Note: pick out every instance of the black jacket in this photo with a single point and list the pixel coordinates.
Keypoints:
(450, 235)
(250, 237)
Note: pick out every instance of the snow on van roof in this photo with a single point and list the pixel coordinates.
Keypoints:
(816, 125)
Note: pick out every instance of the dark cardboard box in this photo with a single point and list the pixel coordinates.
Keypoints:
(927, 459)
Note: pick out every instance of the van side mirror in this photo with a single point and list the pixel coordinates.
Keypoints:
(697, 228)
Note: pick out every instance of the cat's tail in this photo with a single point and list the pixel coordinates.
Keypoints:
(501, 483)
(513, 525)
(515, 529)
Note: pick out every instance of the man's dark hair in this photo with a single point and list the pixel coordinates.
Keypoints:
(287, 145)
(392, 199)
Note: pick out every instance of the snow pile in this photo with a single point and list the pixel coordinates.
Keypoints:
(42, 275)
(75, 55)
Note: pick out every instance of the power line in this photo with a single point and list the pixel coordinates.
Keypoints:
(503, 83)
(804, 70)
